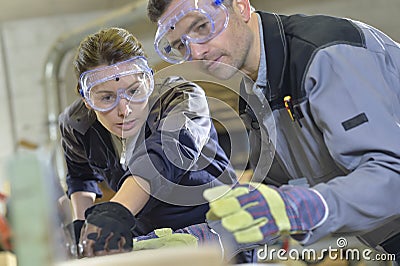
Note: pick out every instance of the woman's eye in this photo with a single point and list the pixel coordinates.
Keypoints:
(132, 91)
(107, 98)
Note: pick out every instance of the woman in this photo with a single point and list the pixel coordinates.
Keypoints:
(151, 141)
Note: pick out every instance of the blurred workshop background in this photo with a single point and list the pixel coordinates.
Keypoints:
(38, 37)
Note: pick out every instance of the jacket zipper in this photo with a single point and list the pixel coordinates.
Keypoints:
(122, 159)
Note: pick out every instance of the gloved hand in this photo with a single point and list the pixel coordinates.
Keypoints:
(197, 235)
(74, 229)
(189, 236)
(107, 230)
(255, 213)
(72, 233)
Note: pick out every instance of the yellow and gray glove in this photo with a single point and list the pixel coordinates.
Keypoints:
(193, 236)
(257, 213)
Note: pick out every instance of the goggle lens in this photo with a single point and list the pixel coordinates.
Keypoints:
(187, 25)
(137, 88)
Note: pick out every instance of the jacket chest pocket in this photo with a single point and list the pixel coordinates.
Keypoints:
(302, 150)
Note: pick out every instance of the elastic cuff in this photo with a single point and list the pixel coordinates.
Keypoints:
(326, 209)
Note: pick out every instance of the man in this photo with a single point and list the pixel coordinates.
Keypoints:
(333, 86)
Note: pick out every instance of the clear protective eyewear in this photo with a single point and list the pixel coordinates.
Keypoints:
(135, 76)
(191, 21)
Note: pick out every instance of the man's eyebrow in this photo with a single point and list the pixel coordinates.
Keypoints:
(133, 84)
(194, 22)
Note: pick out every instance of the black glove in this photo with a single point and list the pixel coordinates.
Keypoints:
(74, 229)
(107, 230)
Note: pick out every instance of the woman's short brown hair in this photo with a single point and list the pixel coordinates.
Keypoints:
(106, 47)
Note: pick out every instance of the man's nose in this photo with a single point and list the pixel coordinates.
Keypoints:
(198, 51)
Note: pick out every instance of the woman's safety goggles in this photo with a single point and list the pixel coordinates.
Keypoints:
(191, 21)
(104, 87)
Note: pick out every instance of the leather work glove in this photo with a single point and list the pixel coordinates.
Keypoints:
(192, 236)
(256, 213)
(107, 230)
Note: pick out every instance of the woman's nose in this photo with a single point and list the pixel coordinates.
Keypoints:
(123, 107)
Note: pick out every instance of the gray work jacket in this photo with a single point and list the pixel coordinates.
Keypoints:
(344, 80)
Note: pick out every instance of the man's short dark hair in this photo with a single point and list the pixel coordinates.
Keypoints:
(155, 8)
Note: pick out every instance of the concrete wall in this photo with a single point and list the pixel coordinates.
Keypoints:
(24, 45)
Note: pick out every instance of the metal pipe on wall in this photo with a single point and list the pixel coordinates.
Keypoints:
(8, 93)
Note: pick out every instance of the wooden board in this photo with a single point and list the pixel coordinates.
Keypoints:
(7, 259)
(166, 257)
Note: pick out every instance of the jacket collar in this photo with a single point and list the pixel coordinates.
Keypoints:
(80, 118)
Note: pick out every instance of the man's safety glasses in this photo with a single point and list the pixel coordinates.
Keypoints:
(191, 21)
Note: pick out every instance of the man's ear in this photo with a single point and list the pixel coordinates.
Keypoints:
(243, 9)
